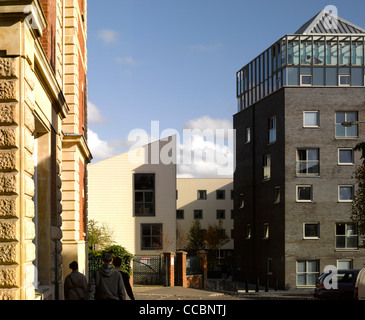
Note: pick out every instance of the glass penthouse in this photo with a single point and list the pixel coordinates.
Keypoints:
(326, 51)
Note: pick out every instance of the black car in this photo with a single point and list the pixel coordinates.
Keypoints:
(345, 285)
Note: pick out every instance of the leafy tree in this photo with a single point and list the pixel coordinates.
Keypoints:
(358, 204)
(216, 236)
(99, 236)
(196, 237)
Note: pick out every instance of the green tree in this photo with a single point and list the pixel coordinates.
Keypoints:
(358, 204)
(100, 236)
(216, 236)
(196, 237)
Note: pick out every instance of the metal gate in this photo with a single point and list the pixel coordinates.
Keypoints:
(148, 270)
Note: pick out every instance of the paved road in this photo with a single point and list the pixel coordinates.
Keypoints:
(179, 293)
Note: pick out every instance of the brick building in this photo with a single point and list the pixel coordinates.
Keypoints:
(294, 159)
(38, 147)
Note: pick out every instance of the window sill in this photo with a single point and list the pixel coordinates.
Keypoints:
(347, 250)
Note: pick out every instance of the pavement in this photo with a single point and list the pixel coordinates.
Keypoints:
(180, 293)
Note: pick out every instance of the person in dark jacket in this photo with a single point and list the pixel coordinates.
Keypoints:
(106, 282)
(117, 262)
(75, 287)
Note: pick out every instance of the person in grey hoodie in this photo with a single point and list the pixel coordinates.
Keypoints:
(106, 282)
(75, 287)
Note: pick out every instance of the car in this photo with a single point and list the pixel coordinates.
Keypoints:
(360, 285)
(326, 288)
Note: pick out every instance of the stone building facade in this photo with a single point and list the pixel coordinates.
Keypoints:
(33, 112)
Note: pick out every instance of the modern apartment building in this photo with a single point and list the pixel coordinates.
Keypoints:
(134, 195)
(35, 141)
(211, 202)
(295, 159)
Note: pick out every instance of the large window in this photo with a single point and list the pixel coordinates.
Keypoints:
(151, 236)
(349, 131)
(144, 194)
(308, 162)
(346, 236)
(307, 272)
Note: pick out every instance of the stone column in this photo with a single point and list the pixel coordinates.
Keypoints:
(169, 265)
(17, 229)
(204, 267)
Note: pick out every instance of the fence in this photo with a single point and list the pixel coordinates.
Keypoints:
(148, 270)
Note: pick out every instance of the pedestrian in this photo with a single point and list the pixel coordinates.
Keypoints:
(75, 287)
(117, 262)
(106, 283)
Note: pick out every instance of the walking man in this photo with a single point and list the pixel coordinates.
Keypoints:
(75, 287)
(106, 282)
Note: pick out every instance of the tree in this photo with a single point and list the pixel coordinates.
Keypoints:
(358, 204)
(99, 236)
(196, 237)
(216, 237)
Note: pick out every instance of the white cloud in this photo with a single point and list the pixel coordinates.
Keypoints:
(208, 153)
(207, 122)
(108, 36)
(126, 60)
(94, 115)
(100, 149)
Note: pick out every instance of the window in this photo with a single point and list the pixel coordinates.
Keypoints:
(346, 236)
(277, 195)
(232, 194)
(220, 254)
(144, 194)
(305, 80)
(344, 264)
(345, 193)
(248, 231)
(266, 231)
(269, 266)
(151, 236)
(308, 162)
(232, 234)
(304, 193)
(221, 194)
(241, 201)
(311, 230)
(232, 214)
(221, 214)
(344, 80)
(307, 272)
(180, 214)
(198, 214)
(350, 131)
(346, 156)
(267, 167)
(248, 135)
(202, 194)
(311, 119)
(272, 129)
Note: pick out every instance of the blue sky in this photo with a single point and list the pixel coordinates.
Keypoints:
(175, 61)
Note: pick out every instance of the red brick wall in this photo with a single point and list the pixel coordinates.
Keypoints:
(48, 40)
(82, 197)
